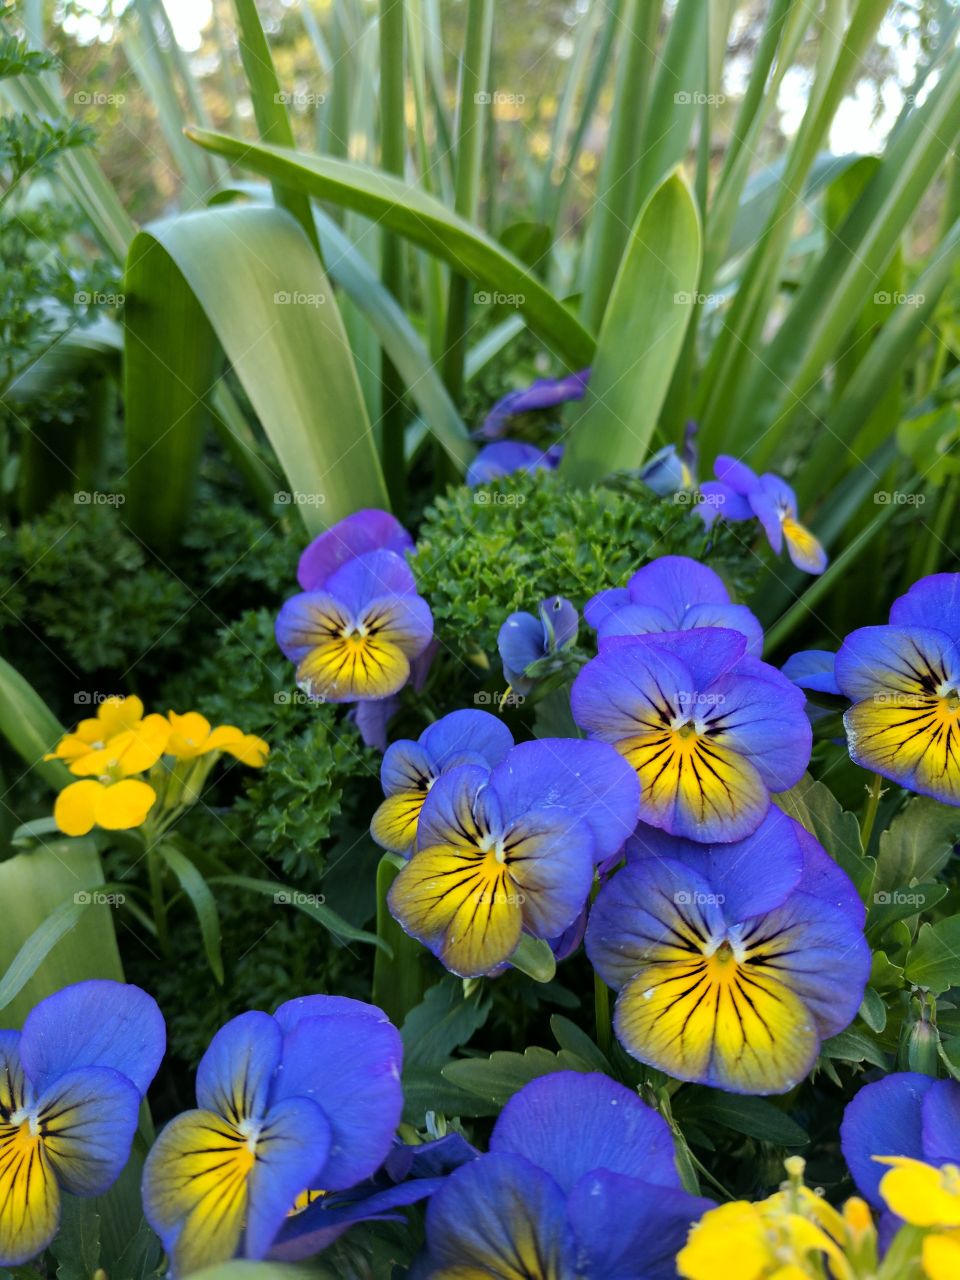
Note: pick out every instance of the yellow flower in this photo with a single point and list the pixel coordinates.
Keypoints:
(116, 743)
(941, 1255)
(922, 1194)
(191, 736)
(116, 806)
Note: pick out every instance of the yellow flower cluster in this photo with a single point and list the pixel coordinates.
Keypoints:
(926, 1196)
(111, 751)
(793, 1235)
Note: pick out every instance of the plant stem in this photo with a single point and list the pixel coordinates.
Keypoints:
(155, 866)
(601, 1008)
(870, 813)
(392, 159)
(397, 977)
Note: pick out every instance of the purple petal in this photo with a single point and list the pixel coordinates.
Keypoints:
(308, 1233)
(373, 718)
(369, 577)
(941, 1123)
(467, 733)
(545, 393)
(572, 1123)
(883, 1119)
(675, 583)
(93, 1024)
(885, 660)
(88, 1118)
(823, 878)
(664, 472)
(605, 603)
(504, 458)
(730, 471)
(521, 642)
(717, 501)
(762, 718)
(358, 534)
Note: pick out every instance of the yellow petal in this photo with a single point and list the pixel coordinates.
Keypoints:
(188, 735)
(344, 668)
(119, 715)
(921, 1194)
(124, 805)
(245, 747)
(728, 1241)
(394, 825)
(29, 1195)
(941, 1256)
(75, 809)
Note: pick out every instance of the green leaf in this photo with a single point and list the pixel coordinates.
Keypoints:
(30, 726)
(884, 974)
(407, 210)
(917, 845)
(639, 344)
(398, 968)
(576, 1041)
(854, 1045)
(284, 895)
(754, 1117)
(425, 1089)
(57, 935)
(816, 808)
(255, 280)
(500, 1076)
(204, 904)
(873, 1011)
(535, 958)
(240, 1270)
(934, 959)
(443, 1021)
(77, 1243)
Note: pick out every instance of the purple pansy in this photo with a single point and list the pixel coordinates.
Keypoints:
(545, 393)
(507, 456)
(524, 640)
(356, 535)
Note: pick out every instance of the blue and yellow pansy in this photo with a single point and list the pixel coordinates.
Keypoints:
(904, 682)
(710, 730)
(300, 1103)
(513, 851)
(732, 961)
(580, 1183)
(71, 1084)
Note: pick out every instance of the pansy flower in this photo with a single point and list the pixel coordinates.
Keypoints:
(192, 736)
(354, 638)
(545, 393)
(524, 640)
(288, 1107)
(410, 769)
(738, 493)
(733, 962)
(71, 1084)
(507, 456)
(904, 682)
(107, 752)
(672, 593)
(356, 535)
(813, 669)
(710, 730)
(513, 851)
(580, 1181)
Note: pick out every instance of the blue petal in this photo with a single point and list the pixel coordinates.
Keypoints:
(500, 1216)
(933, 601)
(707, 653)
(664, 472)
(571, 1124)
(292, 1153)
(734, 617)
(941, 1123)
(545, 393)
(823, 878)
(467, 732)
(560, 622)
(349, 1064)
(719, 501)
(14, 1090)
(881, 660)
(674, 583)
(235, 1073)
(731, 471)
(358, 534)
(369, 577)
(94, 1024)
(627, 1229)
(502, 459)
(813, 669)
(634, 620)
(521, 642)
(429, 1159)
(406, 766)
(883, 1119)
(293, 1012)
(588, 779)
(604, 603)
(318, 1226)
(89, 1117)
(451, 804)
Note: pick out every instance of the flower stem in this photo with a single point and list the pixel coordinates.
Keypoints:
(155, 866)
(398, 978)
(875, 791)
(601, 1008)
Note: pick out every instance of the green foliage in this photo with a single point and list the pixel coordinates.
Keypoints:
(484, 553)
